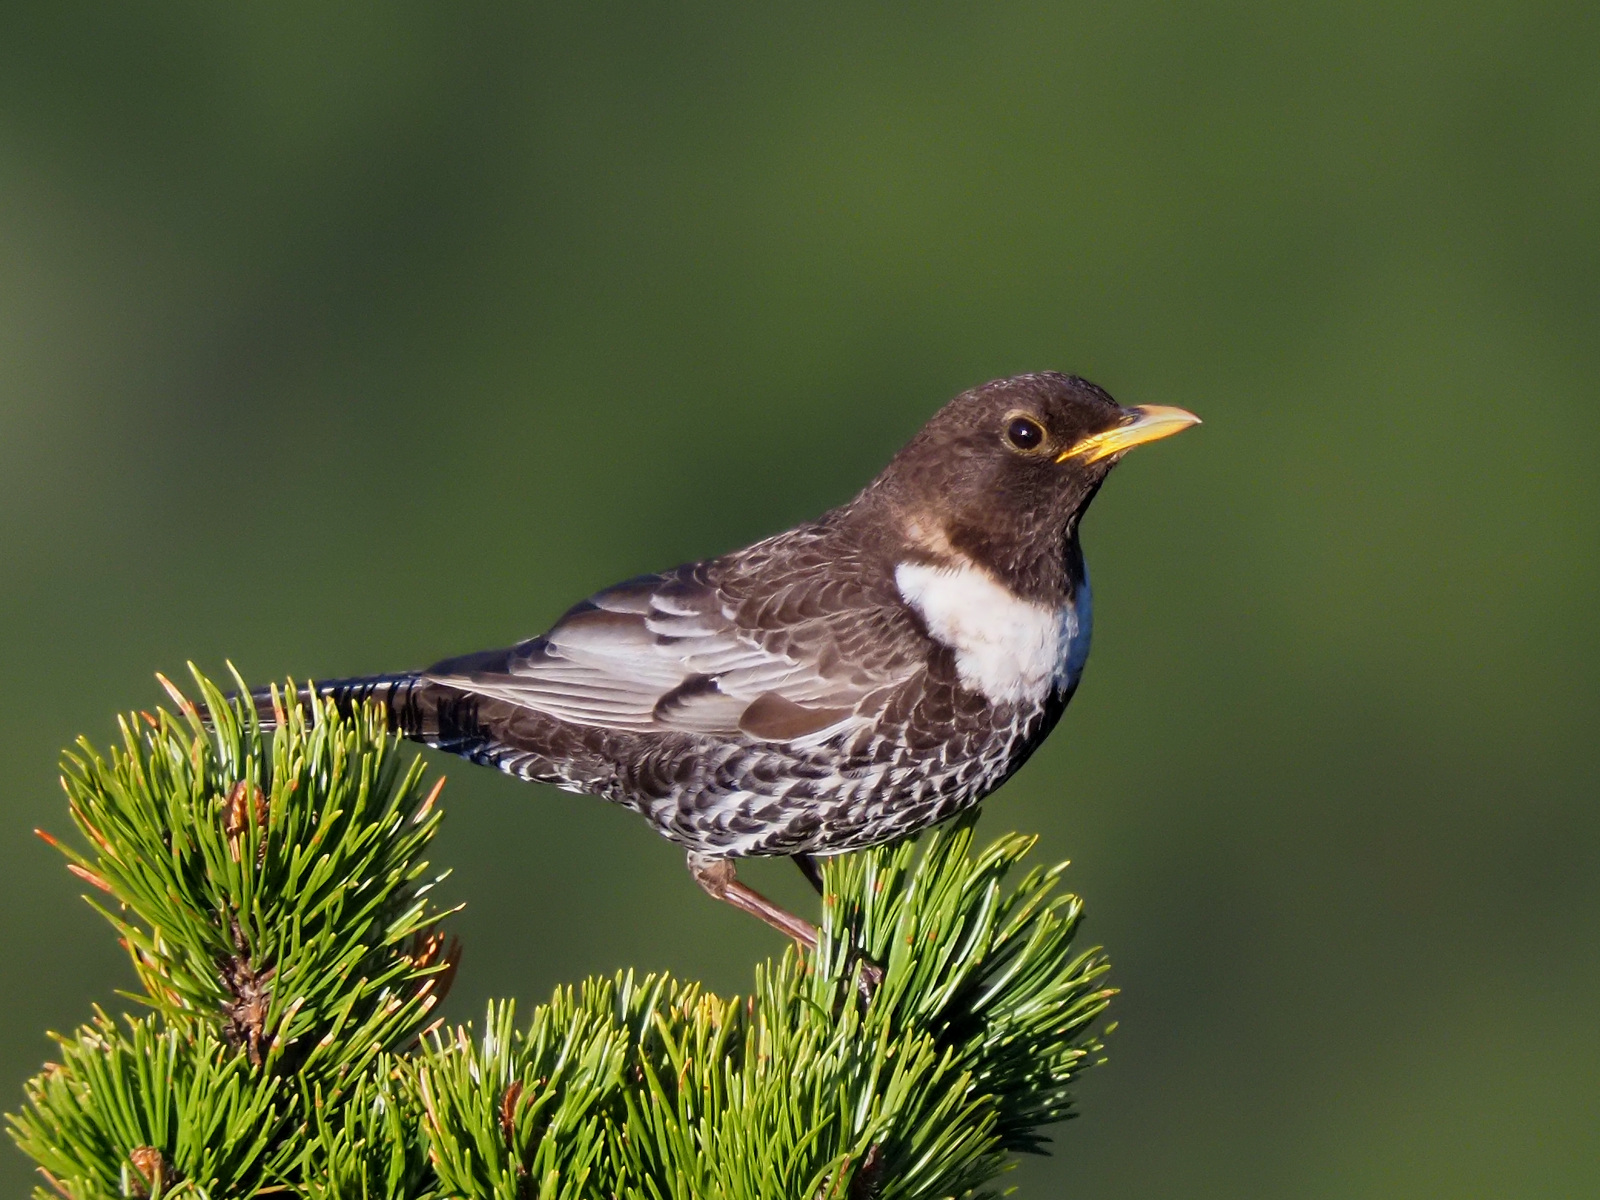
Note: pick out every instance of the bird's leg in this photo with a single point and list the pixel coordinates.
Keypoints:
(719, 879)
(810, 868)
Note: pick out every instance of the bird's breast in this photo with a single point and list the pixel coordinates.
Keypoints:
(1011, 650)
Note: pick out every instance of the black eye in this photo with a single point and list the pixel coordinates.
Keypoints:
(1025, 434)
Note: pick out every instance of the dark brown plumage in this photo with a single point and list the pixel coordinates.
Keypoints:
(845, 683)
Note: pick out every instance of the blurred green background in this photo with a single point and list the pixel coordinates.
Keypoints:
(336, 339)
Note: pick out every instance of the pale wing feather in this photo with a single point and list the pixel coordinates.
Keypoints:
(671, 656)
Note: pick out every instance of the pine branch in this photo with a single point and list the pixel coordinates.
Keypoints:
(271, 892)
(138, 1111)
(273, 880)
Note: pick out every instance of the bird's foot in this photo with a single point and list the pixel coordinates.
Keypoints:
(869, 977)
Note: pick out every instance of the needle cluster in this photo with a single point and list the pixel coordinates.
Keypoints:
(270, 888)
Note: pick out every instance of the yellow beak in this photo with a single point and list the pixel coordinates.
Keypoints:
(1148, 423)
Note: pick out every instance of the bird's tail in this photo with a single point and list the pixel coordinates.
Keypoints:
(418, 706)
(415, 706)
(407, 700)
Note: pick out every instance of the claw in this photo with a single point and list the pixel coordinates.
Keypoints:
(869, 978)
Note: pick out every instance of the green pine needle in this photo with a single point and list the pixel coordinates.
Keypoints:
(370, 1146)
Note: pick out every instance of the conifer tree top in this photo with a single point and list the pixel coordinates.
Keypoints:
(271, 891)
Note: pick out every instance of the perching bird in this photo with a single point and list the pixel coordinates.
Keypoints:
(845, 683)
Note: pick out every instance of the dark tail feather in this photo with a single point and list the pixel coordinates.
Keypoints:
(424, 710)
(416, 706)
(388, 691)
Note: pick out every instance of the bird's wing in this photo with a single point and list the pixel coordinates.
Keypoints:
(695, 651)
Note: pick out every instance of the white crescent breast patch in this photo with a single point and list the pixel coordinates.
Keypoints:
(1010, 649)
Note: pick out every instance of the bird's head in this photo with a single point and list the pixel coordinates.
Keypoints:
(1003, 472)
